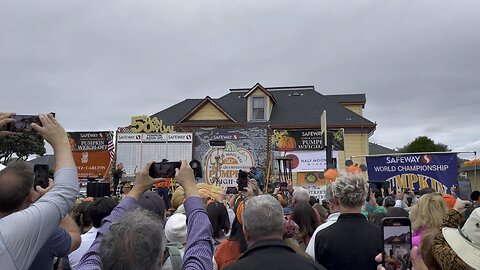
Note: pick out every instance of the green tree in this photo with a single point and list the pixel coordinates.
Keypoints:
(424, 144)
(22, 145)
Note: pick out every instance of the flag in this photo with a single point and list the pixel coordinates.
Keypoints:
(111, 146)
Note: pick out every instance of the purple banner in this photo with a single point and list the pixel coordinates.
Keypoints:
(438, 171)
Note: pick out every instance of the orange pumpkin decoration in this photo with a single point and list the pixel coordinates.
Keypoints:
(353, 169)
(287, 144)
(331, 174)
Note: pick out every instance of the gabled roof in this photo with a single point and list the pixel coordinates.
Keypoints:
(377, 149)
(296, 107)
(172, 114)
(199, 106)
(261, 88)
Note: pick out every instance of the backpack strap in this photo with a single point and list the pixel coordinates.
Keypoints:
(175, 256)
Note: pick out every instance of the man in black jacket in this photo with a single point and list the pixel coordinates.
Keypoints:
(263, 226)
(352, 242)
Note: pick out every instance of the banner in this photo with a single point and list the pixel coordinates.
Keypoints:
(305, 140)
(437, 171)
(88, 141)
(312, 182)
(290, 140)
(244, 148)
(232, 158)
(308, 160)
(135, 149)
(91, 164)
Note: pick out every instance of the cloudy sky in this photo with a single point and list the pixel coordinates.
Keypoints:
(96, 63)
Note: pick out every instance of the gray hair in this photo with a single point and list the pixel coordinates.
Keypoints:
(329, 193)
(135, 241)
(300, 195)
(263, 216)
(350, 189)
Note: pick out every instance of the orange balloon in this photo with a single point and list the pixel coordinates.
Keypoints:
(353, 169)
(331, 174)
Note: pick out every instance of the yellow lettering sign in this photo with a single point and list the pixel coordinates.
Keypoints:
(146, 124)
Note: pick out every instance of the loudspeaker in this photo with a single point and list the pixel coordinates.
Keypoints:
(197, 168)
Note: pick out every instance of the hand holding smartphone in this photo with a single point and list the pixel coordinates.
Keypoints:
(23, 123)
(397, 243)
(163, 169)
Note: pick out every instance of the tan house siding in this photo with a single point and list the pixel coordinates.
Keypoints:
(354, 108)
(355, 145)
(474, 182)
(208, 112)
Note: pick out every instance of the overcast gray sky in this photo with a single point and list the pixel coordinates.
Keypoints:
(96, 63)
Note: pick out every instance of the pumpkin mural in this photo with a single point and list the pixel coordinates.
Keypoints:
(287, 144)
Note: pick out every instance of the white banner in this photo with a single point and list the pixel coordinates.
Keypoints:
(129, 137)
(309, 160)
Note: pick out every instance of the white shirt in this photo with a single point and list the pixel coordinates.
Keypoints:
(87, 240)
(332, 218)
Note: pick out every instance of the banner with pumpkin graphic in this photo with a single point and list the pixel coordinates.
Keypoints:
(304, 140)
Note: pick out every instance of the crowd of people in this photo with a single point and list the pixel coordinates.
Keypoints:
(52, 228)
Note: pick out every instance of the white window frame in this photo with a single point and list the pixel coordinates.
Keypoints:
(264, 118)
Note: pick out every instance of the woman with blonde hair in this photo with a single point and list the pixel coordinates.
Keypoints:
(427, 214)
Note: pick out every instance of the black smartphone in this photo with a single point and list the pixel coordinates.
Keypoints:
(283, 186)
(397, 243)
(164, 169)
(41, 175)
(23, 123)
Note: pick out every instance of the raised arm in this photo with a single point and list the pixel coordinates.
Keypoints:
(143, 182)
(25, 232)
(199, 249)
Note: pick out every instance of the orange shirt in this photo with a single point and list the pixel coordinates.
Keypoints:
(227, 253)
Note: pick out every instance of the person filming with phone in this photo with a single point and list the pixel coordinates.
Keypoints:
(29, 216)
(143, 247)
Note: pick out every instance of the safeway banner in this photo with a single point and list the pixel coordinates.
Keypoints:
(438, 171)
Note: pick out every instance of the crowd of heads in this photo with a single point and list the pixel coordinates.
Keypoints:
(236, 223)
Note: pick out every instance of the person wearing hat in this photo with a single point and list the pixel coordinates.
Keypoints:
(143, 246)
(176, 228)
(152, 202)
(176, 234)
(456, 248)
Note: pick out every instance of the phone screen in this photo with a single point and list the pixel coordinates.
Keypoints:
(23, 123)
(163, 169)
(397, 243)
(283, 186)
(41, 175)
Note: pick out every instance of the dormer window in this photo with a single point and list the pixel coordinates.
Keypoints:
(258, 109)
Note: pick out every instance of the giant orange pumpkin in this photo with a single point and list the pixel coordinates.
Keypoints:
(287, 144)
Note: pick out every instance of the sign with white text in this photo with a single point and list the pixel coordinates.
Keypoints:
(437, 171)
